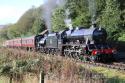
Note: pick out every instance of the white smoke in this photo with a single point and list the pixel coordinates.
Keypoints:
(67, 20)
(48, 8)
(92, 9)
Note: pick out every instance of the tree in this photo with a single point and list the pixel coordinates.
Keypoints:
(58, 19)
(3, 34)
(79, 12)
(110, 19)
(25, 23)
(38, 26)
(13, 31)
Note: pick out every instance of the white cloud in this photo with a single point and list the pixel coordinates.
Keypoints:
(8, 13)
(11, 12)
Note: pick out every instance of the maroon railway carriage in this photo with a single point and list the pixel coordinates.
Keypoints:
(13, 43)
(28, 42)
(17, 42)
(6, 43)
(9, 43)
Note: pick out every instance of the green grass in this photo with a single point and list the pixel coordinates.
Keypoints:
(56, 64)
(4, 80)
(112, 75)
(29, 79)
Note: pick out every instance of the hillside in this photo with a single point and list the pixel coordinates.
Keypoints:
(2, 26)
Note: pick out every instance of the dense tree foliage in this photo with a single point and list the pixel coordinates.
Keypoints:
(110, 18)
(57, 19)
(79, 12)
(109, 14)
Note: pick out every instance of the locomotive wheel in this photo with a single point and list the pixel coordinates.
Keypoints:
(73, 55)
(77, 55)
(65, 53)
(52, 52)
(92, 58)
(56, 52)
(97, 59)
(112, 58)
(105, 58)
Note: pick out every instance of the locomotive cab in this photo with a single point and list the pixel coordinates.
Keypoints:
(52, 40)
(37, 40)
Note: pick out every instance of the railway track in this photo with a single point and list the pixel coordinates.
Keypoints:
(114, 65)
(117, 66)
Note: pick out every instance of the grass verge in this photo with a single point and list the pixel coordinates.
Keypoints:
(111, 75)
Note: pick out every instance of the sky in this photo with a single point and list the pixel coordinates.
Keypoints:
(12, 10)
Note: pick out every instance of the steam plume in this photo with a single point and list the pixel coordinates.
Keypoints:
(48, 8)
(67, 20)
(92, 10)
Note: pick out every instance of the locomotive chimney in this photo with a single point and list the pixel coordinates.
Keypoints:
(100, 28)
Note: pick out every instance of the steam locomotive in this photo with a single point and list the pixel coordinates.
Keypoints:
(88, 44)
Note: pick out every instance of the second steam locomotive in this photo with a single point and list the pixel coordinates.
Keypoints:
(88, 44)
